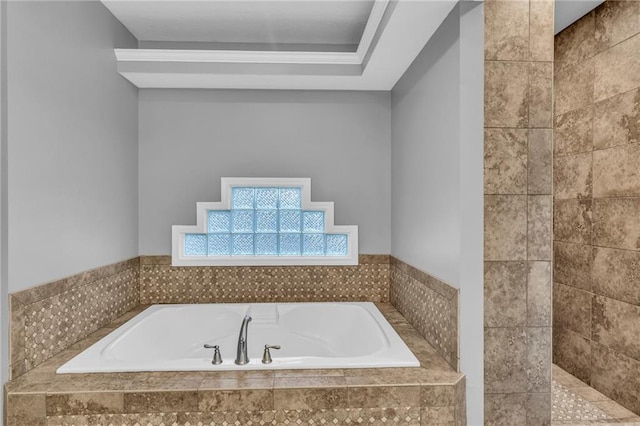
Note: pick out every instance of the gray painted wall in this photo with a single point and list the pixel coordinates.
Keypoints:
(425, 156)
(4, 282)
(72, 142)
(437, 172)
(190, 139)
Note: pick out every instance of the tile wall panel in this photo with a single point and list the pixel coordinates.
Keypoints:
(597, 198)
(162, 283)
(519, 88)
(430, 305)
(49, 318)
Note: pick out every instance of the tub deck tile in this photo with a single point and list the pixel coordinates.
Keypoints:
(160, 402)
(433, 392)
(230, 400)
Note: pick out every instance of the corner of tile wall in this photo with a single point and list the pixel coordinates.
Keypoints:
(596, 304)
(430, 305)
(47, 319)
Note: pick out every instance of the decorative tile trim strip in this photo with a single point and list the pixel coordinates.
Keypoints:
(51, 317)
(430, 305)
(162, 283)
(339, 416)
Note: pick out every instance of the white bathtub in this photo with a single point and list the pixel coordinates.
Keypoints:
(312, 335)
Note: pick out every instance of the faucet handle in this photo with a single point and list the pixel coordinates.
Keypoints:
(217, 358)
(266, 357)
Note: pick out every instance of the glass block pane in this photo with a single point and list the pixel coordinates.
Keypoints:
(290, 220)
(313, 244)
(219, 244)
(336, 245)
(219, 221)
(242, 198)
(266, 198)
(312, 221)
(242, 244)
(290, 198)
(195, 244)
(242, 221)
(266, 244)
(266, 221)
(290, 244)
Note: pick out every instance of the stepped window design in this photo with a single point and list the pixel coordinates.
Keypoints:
(265, 221)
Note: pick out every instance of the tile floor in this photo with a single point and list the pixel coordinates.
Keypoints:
(576, 404)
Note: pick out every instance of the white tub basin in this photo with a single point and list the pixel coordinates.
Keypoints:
(312, 335)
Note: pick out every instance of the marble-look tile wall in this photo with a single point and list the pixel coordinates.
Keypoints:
(49, 318)
(162, 283)
(518, 211)
(596, 303)
(430, 305)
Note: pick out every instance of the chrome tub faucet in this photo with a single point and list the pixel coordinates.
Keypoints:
(241, 357)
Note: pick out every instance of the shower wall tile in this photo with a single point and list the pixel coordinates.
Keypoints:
(616, 171)
(540, 160)
(597, 186)
(505, 161)
(506, 93)
(506, 40)
(541, 30)
(615, 325)
(572, 264)
(615, 375)
(539, 359)
(541, 95)
(162, 283)
(616, 22)
(505, 409)
(573, 86)
(539, 227)
(572, 176)
(577, 43)
(518, 218)
(505, 294)
(49, 318)
(572, 221)
(538, 405)
(572, 309)
(616, 120)
(573, 132)
(573, 352)
(616, 223)
(505, 366)
(538, 294)
(430, 305)
(617, 69)
(615, 274)
(505, 227)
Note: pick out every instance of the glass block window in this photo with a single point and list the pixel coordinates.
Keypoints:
(265, 223)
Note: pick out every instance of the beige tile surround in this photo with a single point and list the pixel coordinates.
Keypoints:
(430, 305)
(432, 394)
(54, 321)
(518, 121)
(49, 318)
(597, 197)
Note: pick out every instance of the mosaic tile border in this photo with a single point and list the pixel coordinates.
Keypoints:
(51, 317)
(340, 416)
(430, 305)
(162, 283)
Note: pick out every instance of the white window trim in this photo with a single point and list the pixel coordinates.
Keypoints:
(178, 231)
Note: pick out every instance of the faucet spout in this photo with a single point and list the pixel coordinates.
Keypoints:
(241, 356)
